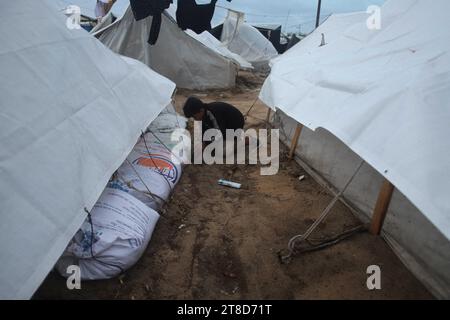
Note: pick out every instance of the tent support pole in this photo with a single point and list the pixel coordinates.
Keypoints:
(319, 7)
(381, 207)
(297, 134)
(268, 115)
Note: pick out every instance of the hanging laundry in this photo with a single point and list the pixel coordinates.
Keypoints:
(144, 8)
(196, 17)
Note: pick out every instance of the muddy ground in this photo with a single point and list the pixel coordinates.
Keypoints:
(213, 242)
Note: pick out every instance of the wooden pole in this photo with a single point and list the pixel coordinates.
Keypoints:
(381, 207)
(268, 115)
(294, 143)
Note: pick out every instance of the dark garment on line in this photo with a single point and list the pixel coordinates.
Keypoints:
(226, 115)
(196, 17)
(144, 8)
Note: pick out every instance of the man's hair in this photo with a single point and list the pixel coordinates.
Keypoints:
(192, 106)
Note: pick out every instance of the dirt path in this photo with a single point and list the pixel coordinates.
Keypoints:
(218, 243)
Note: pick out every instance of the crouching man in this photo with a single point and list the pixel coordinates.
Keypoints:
(215, 115)
(228, 123)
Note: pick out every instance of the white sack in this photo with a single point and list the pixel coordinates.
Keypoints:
(122, 228)
(151, 168)
(163, 127)
(70, 112)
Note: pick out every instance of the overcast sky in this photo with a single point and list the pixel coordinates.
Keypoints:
(293, 15)
(290, 13)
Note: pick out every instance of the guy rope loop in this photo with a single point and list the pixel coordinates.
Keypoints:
(316, 244)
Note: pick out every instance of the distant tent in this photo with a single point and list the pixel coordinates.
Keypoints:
(181, 56)
(246, 41)
(71, 111)
(382, 96)
(272, 32)
(217, 31)
(293, 40)
(104, 23)
(211, 42)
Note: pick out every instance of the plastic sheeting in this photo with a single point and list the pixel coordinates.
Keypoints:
(211, 42)
(246, 41)
(176, 55)
(104, 23)
(332, 29)
(208, 40)
(385, 94)
(424, 250)
(70, 113)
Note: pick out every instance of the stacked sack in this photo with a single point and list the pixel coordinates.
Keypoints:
(121, 223)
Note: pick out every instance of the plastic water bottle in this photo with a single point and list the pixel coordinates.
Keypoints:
(230, 184)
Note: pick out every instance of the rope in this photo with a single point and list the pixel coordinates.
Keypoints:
(92, 243)
(324, 243)
(165, 146)
(293, 242)
(142, 181)
(262, 120)
(148, 193)
(253, 105)
(157, 168)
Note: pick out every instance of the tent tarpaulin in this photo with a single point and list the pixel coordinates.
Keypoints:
(246, 41)
(208, 40)
(332, 29)
(176, 55)
(70, 113)
(273, 33)
(385, 93)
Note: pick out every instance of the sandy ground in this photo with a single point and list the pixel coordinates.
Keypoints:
(214, 242)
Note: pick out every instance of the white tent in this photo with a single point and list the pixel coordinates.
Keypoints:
(205, 38)
(246, 41)
(331, 29)
(208, 40)
(70, 113)
(385, 94)
(188, 60)
(211, 42)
